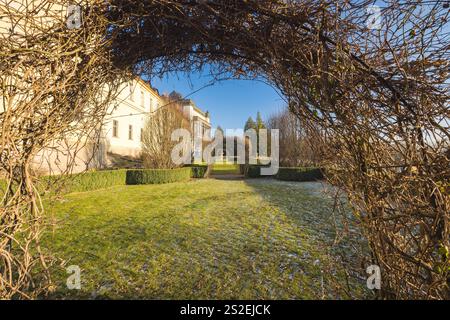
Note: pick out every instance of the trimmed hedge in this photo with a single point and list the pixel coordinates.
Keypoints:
(300, 174)
(79, 182)
(199, 171)
(157, 176)
(95, 180)
(254, 170)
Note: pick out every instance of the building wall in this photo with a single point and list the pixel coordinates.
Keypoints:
(71, 156)
(127, 115)
(131, 108)
(200, 126)
(120, 133)
(127, 112)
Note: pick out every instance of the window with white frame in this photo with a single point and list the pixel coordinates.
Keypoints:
(130, 132)
(115, 131)
(130, 86)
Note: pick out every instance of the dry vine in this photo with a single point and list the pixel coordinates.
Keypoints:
(379, 96)
(53, 90)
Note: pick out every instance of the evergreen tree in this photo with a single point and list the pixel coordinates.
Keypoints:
(259, 122)
(250, 124)
(260, 125)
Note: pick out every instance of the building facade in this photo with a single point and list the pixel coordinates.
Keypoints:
(120, 139)
(125, 122)
(122, 129)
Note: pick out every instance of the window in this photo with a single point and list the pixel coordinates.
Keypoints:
(115, 131)
(142, 135)
(131, 91)
(142, 99)
(130, 132)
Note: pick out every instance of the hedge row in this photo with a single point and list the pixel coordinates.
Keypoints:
(95, 180)
(285, 174)
(300, 174)
(90, 181)
(157, 176)
(253, 170)
(199, 171)
(80, 182)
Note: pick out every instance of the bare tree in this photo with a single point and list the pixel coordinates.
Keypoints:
(298, 142)
(376, 86)
(379, 92)
(157, 144)
(56, 83)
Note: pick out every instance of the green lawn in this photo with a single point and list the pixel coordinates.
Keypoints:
(225, 168)
(204, 239)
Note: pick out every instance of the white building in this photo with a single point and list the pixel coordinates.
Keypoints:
(126, 118)
(201, 126)
(120, 142)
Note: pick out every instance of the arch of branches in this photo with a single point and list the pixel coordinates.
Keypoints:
(376, 97)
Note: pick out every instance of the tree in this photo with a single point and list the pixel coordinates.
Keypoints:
(250, 124)
(260, 126)
(259, 122)
(157, 144)
(298, 145)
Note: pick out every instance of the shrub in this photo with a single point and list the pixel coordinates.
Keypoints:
(157, 176)
(300, 174)
(79, 182)
(89, 181)
(254, 171)
(199, 171)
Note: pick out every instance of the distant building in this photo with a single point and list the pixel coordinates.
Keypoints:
(201, 126)
(121, 132)
(126, 118)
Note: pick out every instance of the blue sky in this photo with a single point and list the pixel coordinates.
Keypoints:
(230, 102)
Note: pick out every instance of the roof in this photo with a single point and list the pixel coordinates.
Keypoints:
(186, 102)
(183, 102)
(148, 86)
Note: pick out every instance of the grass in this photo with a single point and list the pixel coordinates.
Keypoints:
(225, 168)
(204, 239)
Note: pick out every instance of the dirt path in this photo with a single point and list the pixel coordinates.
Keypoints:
(231, 176)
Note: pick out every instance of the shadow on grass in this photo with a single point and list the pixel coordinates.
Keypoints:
(336, 236)
(206, 239)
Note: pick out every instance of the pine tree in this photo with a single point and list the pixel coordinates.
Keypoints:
(259, 125)
(250, 124)
(259, 122)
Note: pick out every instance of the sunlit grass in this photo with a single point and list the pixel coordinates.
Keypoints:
(204, 239)
(225, 168)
